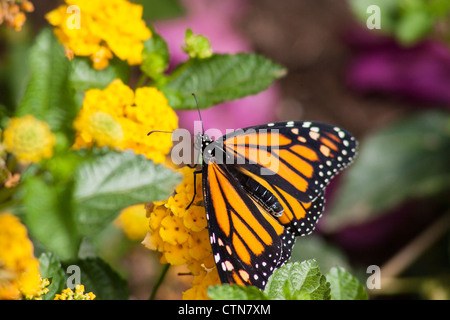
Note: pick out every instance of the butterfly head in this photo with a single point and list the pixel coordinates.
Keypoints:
(202, 141)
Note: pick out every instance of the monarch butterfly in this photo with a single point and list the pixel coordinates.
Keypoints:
(262, 187)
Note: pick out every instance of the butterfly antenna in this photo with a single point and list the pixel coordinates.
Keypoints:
(199, 114)
(164, 132)
(158, 131)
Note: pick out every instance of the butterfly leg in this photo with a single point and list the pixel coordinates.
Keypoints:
(195, 188)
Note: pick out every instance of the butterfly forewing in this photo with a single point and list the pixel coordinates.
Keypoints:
(298, 157)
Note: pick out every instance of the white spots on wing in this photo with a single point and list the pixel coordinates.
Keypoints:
(314, 135)
(244, 275)
(228, 265)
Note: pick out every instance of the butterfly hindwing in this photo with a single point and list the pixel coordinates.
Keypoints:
(248, 244)
(300, 218)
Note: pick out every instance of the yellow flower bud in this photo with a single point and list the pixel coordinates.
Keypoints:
(29, 139)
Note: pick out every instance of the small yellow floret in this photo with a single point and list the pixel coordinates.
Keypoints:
(29, 139)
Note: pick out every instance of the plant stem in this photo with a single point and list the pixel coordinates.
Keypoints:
(159, 281)
(141, 81)
(414, 249)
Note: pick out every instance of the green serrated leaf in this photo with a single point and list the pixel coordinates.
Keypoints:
(408, 159)
(48, 95)
(220, 78)
(344, 286)
(113, 181)
(235, 292)
(99, 278)
(49, 216)
(157, 9)
(83, 76)
(298, 281)
(50, 268)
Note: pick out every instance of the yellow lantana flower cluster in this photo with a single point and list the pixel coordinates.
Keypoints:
(133, 221)
(19, 269)
(69, 294)
(29, 139)
(41, 291)
(182, 237)
(12, 13)
(119, 118)
(98, 28)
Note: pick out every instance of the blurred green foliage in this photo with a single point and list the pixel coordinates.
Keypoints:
(298, 281)
(408, 159)
(409, 21)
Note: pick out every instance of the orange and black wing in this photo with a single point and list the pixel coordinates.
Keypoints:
(299, 218)
(247, 242)
(284, 164)
(298, 157)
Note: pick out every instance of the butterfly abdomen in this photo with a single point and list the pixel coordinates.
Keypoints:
(260, 194)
